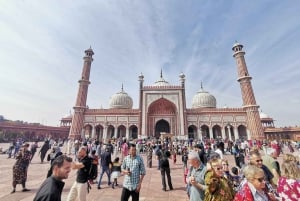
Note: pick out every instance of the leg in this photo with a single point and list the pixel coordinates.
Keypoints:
(135, 195)
(163, 178)
(169, 179)
(125, 194)
(82, 191)
(73, 192)
(108, 175)
(100, 178)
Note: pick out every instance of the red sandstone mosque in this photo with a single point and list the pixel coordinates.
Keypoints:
(162, 109)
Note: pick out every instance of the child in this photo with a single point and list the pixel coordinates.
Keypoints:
(115, 172)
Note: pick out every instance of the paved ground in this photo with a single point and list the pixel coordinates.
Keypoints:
(151, 187)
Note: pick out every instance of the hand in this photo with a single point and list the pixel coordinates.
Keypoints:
(138, 188)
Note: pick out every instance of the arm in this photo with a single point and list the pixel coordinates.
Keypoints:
(77, 165)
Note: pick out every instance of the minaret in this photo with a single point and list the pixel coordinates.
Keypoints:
(141, 80)
(249, 104)
(80, 106)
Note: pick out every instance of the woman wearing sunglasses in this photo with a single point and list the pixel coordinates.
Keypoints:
(254, 188)
(218, 187)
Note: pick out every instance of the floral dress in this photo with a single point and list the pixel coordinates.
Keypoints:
(289, 189)
(218, 188)
(20, 167)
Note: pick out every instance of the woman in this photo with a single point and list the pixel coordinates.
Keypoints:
(289, 182)
(254, 188)
(20, 168)
(218, 187)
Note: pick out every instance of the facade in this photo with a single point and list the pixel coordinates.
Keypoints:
(162, 109)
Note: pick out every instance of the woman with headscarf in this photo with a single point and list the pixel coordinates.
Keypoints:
(20, 168)
(51, 156)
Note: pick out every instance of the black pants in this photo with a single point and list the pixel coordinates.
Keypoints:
(127, 193)
(164, 172)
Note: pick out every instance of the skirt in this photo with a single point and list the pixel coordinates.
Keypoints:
(115, 174)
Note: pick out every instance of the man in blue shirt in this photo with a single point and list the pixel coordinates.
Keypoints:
(134, 171)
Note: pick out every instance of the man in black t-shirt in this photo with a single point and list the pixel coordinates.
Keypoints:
(80, 187)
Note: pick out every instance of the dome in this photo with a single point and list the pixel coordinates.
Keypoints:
(204, 99)
(263, 115)
(121, 100)
(161, 81)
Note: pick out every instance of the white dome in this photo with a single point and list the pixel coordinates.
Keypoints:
(263, 115)
(161, 81)
(204, 99)
(121, 100)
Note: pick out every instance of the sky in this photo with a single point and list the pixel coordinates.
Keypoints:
(42, 46)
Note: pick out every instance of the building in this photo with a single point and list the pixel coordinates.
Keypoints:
(162, 109)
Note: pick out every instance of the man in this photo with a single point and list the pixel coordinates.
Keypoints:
(52, 187)
(104, 162)
(134, 170)
(80, 187)
(33, 149)
(196, 177)
(165, 170)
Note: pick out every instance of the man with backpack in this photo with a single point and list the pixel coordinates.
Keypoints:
(80, 187)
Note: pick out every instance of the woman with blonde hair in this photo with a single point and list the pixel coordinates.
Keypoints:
(218, 187)
(254, 188)
(289, 182)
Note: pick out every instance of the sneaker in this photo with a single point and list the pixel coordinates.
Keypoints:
(116, 184)
(25, 190)
(13, 191)
(99, 187)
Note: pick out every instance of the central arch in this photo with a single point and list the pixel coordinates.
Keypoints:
(161, 126)
(162, 117)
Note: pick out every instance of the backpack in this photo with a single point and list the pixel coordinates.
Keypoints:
(93, 172)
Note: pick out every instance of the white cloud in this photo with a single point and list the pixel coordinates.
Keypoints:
(42, 45)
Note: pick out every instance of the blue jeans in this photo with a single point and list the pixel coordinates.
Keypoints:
(107, 171)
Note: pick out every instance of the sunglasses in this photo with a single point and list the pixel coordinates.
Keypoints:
(218, 168)
(225, 164)
(261, 179)
(259, 161)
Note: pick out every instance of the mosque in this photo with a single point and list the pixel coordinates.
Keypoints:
(162, 110)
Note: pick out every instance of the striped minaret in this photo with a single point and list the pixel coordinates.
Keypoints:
(80, 106)
(249, 104)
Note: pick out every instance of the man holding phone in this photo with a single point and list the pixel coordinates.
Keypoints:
(134, 170)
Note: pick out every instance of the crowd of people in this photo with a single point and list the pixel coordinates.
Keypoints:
(256, 174)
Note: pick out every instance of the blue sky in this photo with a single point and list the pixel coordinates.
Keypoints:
(42, 44)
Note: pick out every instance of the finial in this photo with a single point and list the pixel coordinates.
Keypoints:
(122, 88)
(161, 73)
(201, 85)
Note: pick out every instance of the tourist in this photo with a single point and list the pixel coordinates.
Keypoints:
(33, 149)
(254, 188)
(289, 182)
(218, 188)
(45, 147)
(52, 187)
(80, 186)
(20, 168)
(165, 170)
(115, 172)
(105, 161)
(134, 170)
(196, 183)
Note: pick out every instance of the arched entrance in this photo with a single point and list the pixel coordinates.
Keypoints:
(192, 132)
(88, 131)
(133, 132)
(99, 132)
(110, 131)
(242, 132)
(162, 118)
(217, 134)
(205, 132)
(121, 131)
(161, 126)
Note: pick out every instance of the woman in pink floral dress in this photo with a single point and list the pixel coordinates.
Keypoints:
(289, 182)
